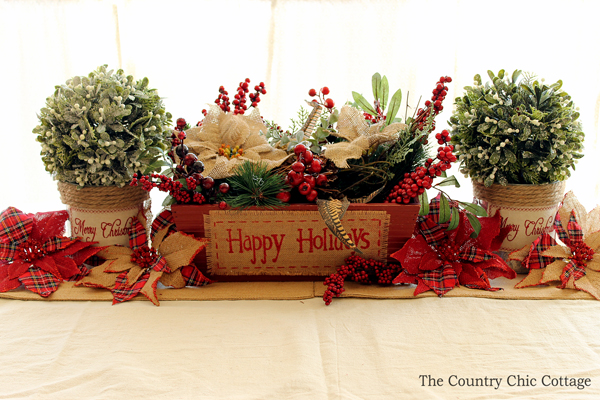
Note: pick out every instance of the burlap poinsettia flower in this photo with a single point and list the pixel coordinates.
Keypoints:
(34, 252)
(220, 129)
(569, 254)
(359, 136)
(138, 268)
(439, 259)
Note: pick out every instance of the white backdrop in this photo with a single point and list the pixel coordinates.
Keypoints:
(189, 48)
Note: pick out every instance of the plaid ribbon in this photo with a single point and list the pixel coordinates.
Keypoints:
(440, 280)
(15, 227)
(193, 276)
(137, 235)
(434, 234)
(163, 220)
(571, 270)
(574, 229)
(562, 234)
(57, 243)
(535, 259)
(40, 282)
(473, 254)
(122, 292)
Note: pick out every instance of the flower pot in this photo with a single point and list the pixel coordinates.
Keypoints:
(102, 214)
(292, 243)
(528, 210)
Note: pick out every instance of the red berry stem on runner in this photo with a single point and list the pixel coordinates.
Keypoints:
(359, 270)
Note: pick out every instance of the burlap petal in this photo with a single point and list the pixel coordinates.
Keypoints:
(160, 235)
(593, 240)
(134, 274)
(180, 249)
(174, 279)
(120, 264)
(589, 283)
(351, 124)
(341, 152)
(553, 271)
(532, 279)
(519, 255)
(113, 252)
(593, 221)
(594, 263)
(99, 279)
(557, 252)
(149, 289)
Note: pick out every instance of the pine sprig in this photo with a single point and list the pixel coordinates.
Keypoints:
(254, 185)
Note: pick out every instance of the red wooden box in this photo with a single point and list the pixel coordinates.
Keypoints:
(191, 219)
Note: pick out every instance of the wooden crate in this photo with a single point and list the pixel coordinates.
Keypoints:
(190, 219)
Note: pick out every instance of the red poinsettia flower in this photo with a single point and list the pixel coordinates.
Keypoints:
(439, 259)
(34, 252)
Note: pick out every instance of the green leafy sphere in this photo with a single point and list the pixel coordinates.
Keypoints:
(516, 131)
(101, 129)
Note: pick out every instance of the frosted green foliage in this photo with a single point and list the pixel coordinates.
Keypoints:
(101, 129)
(516, 130)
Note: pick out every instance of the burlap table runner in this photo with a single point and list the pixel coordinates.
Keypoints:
(305, 290)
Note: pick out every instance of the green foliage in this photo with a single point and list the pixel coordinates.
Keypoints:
(101, 129)
(516, 130)
(381, 91)
(254, 185)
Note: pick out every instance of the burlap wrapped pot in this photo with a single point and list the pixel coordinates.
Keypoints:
(529, 211)
(103, 214)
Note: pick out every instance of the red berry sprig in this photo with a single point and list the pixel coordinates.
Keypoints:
(359, 270)
(321, 99)
(240, 98)
(415, 183)
(307, 173)
(223, 100)
(439, 94)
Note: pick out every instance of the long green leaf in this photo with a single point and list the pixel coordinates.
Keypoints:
(454, 219)
(376, 83)
(394, 107)
(363, 103)
(445, 211)
(474, 209)
(385, 92)
(475, 224)
(451, 181)
(424, 210)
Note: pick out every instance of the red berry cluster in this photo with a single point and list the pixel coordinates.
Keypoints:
(199, 123)
(325, 102)
(581, 253)
(197, 187)
(439, 94)
(239, 99)
(144, 256)
(375, 118)
(415, 183)
(306, 173)
(359, 270)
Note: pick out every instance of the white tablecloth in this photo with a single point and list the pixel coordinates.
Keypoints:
(300, 349)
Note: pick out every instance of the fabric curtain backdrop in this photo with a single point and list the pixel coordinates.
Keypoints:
(188, 49)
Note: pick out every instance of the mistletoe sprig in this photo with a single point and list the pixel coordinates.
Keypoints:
(516, 130)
